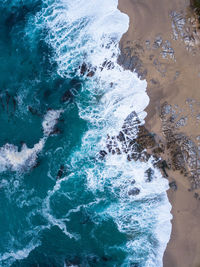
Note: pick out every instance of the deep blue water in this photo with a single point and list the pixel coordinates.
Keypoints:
(82, 215)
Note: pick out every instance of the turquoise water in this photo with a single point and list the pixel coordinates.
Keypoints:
(53, 117)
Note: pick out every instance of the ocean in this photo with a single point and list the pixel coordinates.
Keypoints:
(68, 194)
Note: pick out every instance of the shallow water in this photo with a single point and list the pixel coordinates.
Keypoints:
(55, 118)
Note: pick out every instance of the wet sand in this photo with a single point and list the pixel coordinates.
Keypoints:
(174, 79)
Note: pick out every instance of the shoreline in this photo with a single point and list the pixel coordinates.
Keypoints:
(165, 52)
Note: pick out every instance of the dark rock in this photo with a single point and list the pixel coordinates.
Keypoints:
(149, 173)
(113, 152)
(104, 258)
(83, 68)
(67, 96)
(37, 164)
(107, 64)
(135, 156)
(195, 6)
(196, 195)
(90, 73)
(132, 62)
(102, 154)
(55, 131)
(128, 158)
(133, 181)
(145, 139)
(118, 151)
(133, 192)
(121, 137)
(162, 164)
(60, 172)
(34, 111)
(173, 185)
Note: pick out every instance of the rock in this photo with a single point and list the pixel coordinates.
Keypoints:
(158, 41)
(167, 51)
(55, 131)
(149, 173)
(196, 195)
(128, 158)
(121, 137)
(83, 68)
(134, 192)
(132, 61)
(173, 185)
(104, 258)
(60, 172)
(107, 64)
(162, 164)
(34, 111)
(118, 151)
(67, 96)
(90, 73)
(133, 181)
(145, 139)
(102, 154)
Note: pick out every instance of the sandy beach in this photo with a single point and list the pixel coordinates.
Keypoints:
(163, 44)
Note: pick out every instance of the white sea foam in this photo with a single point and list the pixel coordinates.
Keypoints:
(13, 159)
(50, 120)
(12, 256)
(48, 214)
(89, 31)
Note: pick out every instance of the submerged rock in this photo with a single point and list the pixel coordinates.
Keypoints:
(67, 96)
(34, 111)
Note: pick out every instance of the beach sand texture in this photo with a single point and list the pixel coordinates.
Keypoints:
(162, 46)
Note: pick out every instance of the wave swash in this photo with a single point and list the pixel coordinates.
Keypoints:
(100, 211)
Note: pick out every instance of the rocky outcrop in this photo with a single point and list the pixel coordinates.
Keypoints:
(130, 59)
(184, 153)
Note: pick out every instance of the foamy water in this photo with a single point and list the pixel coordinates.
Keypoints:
(75, 207)
(89, 33)
(11, 158)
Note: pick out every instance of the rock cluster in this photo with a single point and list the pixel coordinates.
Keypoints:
(133, 140)
(187, 26)
(129, 58)
(184, 154)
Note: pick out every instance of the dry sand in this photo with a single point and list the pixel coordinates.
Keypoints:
(177, 81)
